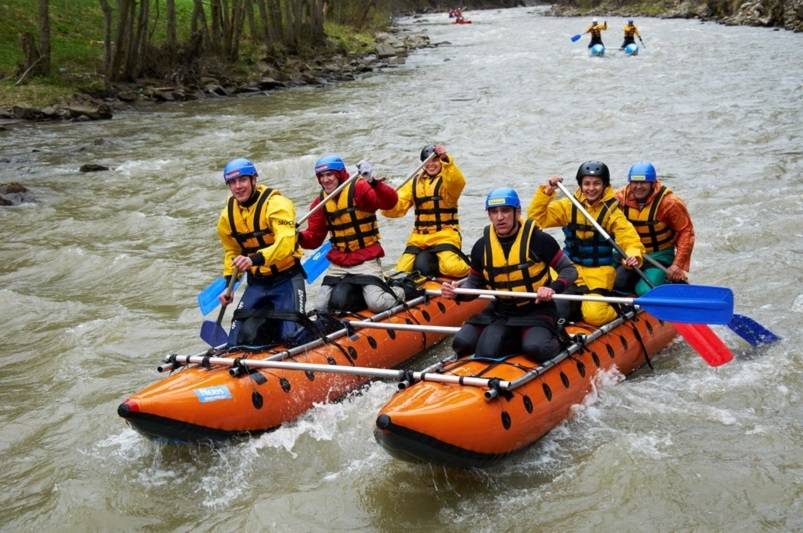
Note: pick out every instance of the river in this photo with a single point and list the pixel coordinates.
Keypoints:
(98, 281)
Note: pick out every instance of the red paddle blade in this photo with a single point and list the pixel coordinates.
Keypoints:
(706, 342)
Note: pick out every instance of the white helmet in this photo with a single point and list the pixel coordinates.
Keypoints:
(594, 20)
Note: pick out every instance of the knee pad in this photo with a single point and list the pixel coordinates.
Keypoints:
(346, 298)
(427, 263)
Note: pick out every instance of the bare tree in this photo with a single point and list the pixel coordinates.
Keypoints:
(107, 40)
(171, 29)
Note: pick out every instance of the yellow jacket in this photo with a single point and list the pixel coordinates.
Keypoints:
(277, 244)
(597, 29)
(448, 185)
(550, 213)
(631, 30)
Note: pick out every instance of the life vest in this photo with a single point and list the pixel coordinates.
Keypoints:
(517, 270)
(252, 236)
(430, 213)
(589, 251)
(350, 228)
(630, 31)
(596, 31)
(654, 234)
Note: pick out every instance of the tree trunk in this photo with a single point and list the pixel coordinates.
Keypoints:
(121, 38)
(275, 17)
(107, 40)
(249, 16)
(44, 38)
(263, 18)
(199, 20)
(316, 12)
(137, 44)
(171, 29)
(217, 30)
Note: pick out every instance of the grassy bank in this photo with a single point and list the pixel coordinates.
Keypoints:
(77, 47)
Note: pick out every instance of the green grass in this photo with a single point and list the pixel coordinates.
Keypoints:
(76, 41)
(348, 40)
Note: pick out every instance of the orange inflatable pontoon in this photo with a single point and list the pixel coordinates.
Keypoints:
(468, 426)
(202, 401)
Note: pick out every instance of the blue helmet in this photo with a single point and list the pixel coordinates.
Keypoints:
(642, 171)
(502, 197)
(238, 167)
(630, 21)
(329, 163)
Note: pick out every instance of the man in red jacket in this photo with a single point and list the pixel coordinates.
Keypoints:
(354, 280)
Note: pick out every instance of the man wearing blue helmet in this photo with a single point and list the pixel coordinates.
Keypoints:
(664, 225)
(257, 230)
(513, 255)
(354, 280)
(631, 32)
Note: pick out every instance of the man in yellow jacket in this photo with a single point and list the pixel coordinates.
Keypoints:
(596, 29)
(257, 229)
(434, 246)
(590, 252)
(631, 32)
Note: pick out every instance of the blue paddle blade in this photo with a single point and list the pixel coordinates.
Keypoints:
(689, 304)
(751, 331)
(318, 263)
(213, 333)
(575, 38)
(208, 298)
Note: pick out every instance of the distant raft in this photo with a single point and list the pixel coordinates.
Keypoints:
(204, 402)
(469, 426)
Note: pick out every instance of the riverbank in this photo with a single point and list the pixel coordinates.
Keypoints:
(387, 49)
(786, 14)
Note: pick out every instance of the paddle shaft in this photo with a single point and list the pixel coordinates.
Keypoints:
(417, 170)
(229, 288)
(327, 198)
(571, 297)
(601, 231)
(715, 352)
(319, 264)
(352, 178)
(446, 330)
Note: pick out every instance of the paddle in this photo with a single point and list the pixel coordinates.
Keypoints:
(691, 304)
(642, 42)
(576, 38)
(208, 298)
(751, 331)
(212, 332)
(318, 262)
(715, 352)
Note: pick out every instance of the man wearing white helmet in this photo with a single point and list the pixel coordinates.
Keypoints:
(596, 30)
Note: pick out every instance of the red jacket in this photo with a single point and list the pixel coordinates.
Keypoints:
(367, 198)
